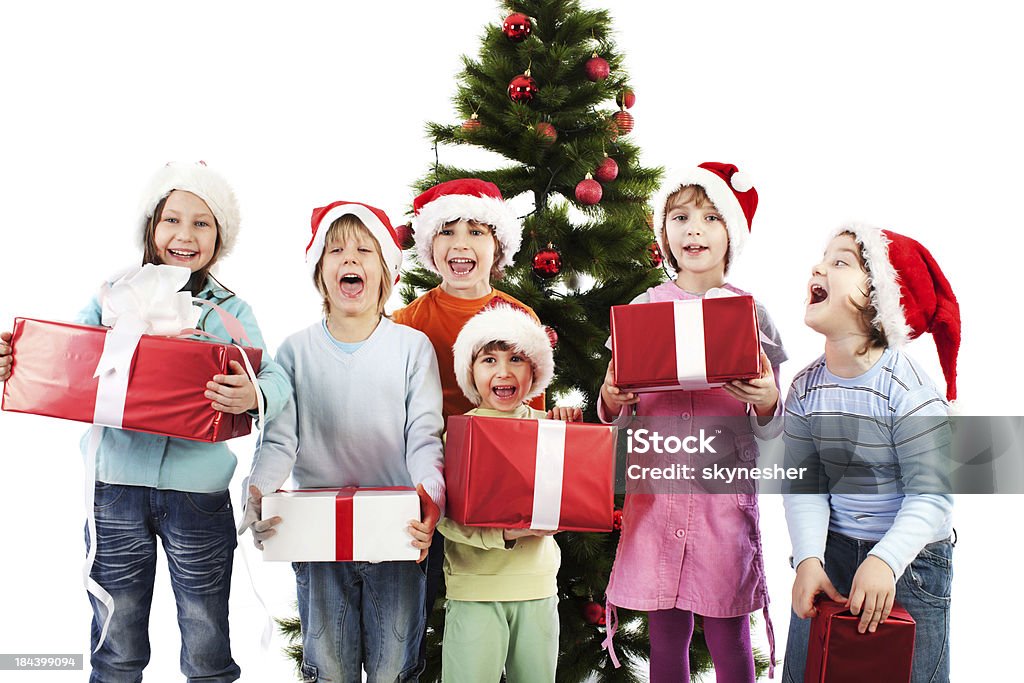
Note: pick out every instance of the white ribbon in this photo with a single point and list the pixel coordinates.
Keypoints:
(547, 478)
(691, 364)
(146, 300)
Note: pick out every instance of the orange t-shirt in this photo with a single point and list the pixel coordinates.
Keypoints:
(440, 316)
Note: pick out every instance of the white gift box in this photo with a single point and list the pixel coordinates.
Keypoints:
(341, 525)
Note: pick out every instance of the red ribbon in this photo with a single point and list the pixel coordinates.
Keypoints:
(344, 515)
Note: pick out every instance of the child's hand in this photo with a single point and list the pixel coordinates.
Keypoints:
(232, 393)
(423, 532)
(872, 593)
(262, 529)
(811, 579)
(613, 397)
(513, 534)
(6, 356)
(565, 414)
(761, 393)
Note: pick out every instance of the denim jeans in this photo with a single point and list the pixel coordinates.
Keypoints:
(358, 615)
(198, 536)
(923, 590)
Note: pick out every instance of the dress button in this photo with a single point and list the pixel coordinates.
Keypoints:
(680, 533)
(685, 416)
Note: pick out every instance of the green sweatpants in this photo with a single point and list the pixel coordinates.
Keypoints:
(482, 638)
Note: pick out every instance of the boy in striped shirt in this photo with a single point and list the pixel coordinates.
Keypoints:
(872, 523)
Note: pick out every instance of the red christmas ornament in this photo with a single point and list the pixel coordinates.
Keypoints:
(655, 252)
(472, 123)
(624, 121)
(522, 88)
(593, 613)
(617, 520)
(552, 335)
(406, 240)
(607, 171)
(547, 132)
(517, 27)
(597, 68)
(547, 263)
(625, 99)
(588, 191)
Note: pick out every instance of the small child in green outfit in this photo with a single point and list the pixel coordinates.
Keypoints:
(502, 608)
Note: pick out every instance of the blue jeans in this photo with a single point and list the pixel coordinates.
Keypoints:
(923, 590)
(359, 615)
(198, 535)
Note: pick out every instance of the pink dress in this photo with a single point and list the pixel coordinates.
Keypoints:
(694, 551)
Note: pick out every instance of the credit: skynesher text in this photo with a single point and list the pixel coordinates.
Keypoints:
(714, 473)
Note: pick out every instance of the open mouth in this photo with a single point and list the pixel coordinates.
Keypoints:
(461, 266)
(504, 392)
(351, 285)
(183, 254)
(694, 249)
(818, 294)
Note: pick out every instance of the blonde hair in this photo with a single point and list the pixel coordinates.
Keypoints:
(342, 229)
(699, 197)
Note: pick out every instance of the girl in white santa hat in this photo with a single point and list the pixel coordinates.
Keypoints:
(871, 523)
(150, 486)
(366, 412)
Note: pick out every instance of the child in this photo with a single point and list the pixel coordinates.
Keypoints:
(366, 412)
(886, 537)
(150, 486)
(679, 557)
(502, 608)
(466, 233)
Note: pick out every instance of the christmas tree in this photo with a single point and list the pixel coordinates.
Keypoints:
(549, 94)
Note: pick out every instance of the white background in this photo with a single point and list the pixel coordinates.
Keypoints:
(905, 115)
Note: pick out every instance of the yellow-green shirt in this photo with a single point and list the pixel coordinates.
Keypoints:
(480, 566)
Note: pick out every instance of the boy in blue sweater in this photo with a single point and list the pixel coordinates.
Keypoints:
(366, 411)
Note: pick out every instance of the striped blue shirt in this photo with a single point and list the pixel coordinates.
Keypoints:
(877, 449)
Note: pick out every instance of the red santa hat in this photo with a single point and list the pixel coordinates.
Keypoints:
(466, 198)
(205, 183)
(375, 220)
(501, 321)
(910, 294)
(730, 190)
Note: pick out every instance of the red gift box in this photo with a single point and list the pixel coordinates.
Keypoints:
(54, 364)
(530, 474)
(836, 653)
(691, 344)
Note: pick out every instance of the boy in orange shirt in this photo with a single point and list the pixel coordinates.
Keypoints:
(466, 233)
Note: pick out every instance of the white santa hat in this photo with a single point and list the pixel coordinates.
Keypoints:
(730, 190)
(375, 220)
(469, 199)
(205, 183)
(910, 293)
(500, 321)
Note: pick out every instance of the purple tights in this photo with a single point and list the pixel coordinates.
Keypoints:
(728, 640)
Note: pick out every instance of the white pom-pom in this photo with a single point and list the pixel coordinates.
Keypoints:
(740, 182)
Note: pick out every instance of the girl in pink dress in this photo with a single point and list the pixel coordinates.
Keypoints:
(685, 553)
